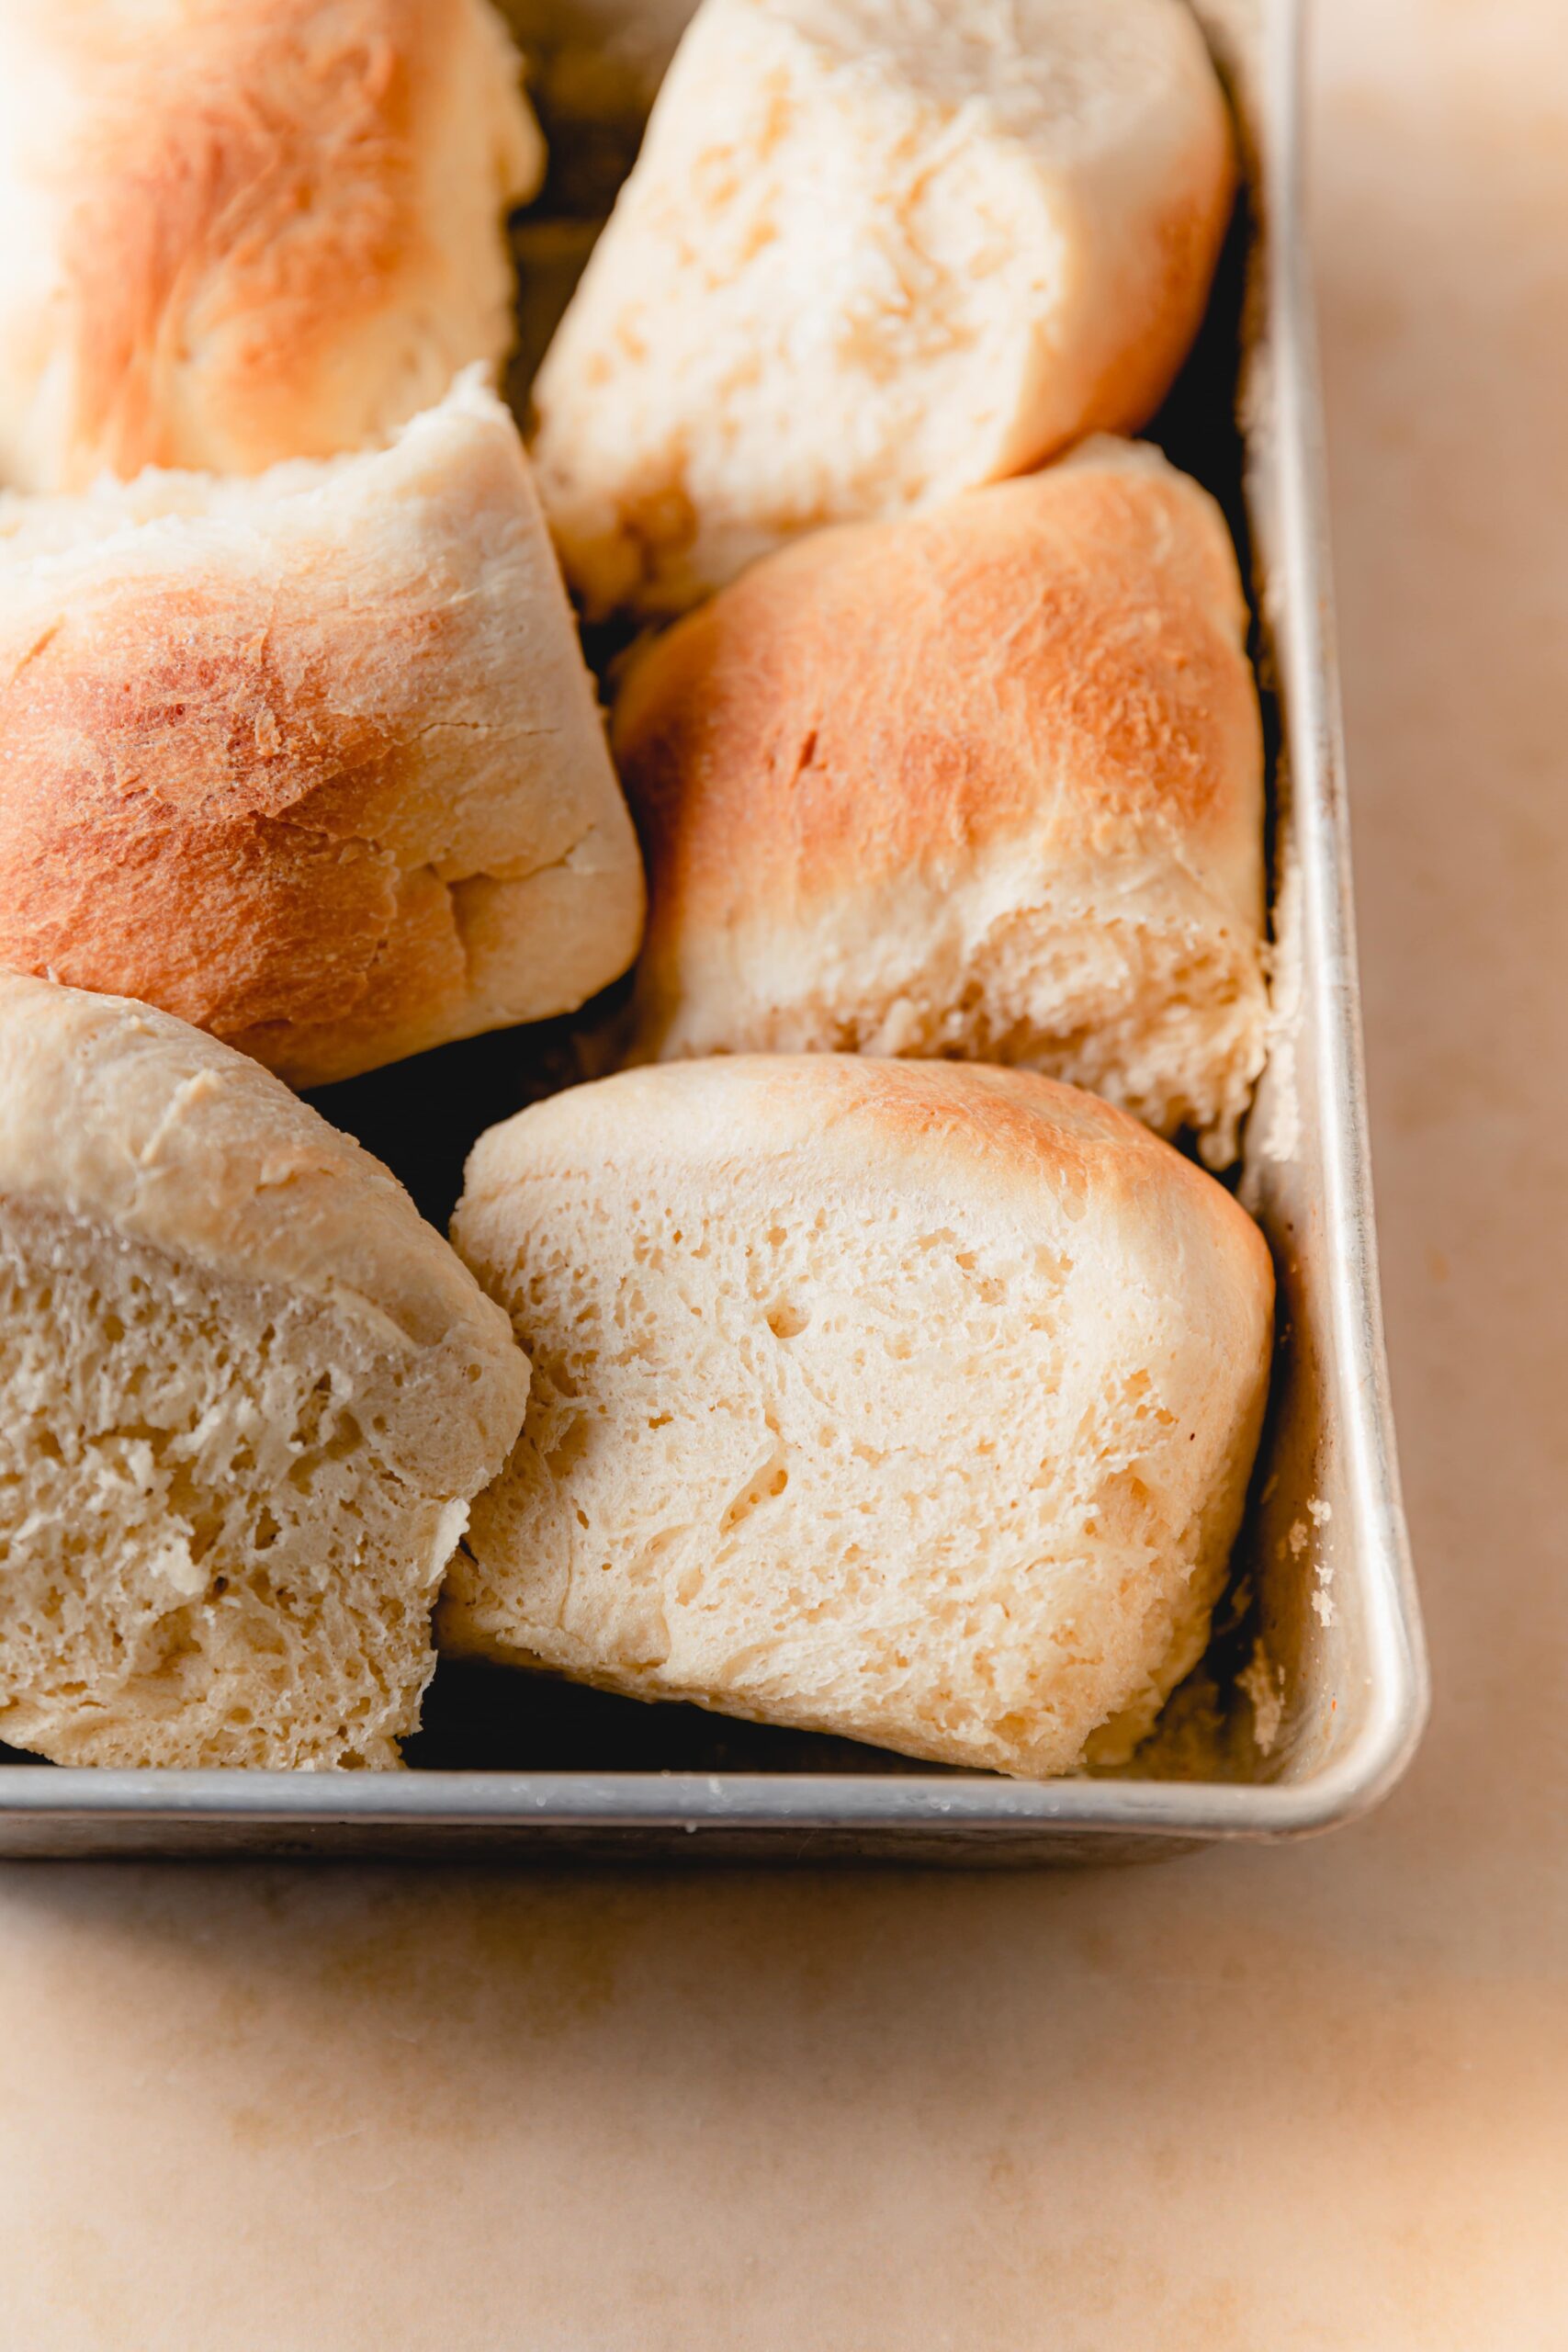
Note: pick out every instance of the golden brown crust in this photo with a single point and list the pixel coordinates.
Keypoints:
(278, 225)
(202, 209)
(1061, 650)
(186, 817)
(249, 764)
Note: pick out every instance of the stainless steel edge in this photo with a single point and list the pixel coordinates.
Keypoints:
(1308, 650)
(1151, 1808)
(921, 1817)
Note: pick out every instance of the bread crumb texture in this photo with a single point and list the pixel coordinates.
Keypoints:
(870, 254)
(986, 782)
(312, 761)
(910, 1402)
(242, 231)
(207, 1558)
(249, 1394)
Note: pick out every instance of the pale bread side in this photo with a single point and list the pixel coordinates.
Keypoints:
(249, 1395)
(871, 255)
(909, 1401)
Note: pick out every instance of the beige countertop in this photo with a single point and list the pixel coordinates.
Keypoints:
(1311, 2097)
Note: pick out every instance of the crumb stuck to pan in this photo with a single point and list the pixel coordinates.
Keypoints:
(1264, 1685)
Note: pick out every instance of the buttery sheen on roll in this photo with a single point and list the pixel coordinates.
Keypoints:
(239, 231)
(872, 253)
(248, 1396)
(985, 782)
(310, 760)
(909, 1401)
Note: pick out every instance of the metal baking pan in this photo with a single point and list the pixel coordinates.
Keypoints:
(1313, 1695)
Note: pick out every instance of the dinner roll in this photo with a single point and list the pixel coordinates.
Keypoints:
(248, 1395)
(313, 760)
(875, 252)
(911, 1401)
(237, 230)
(983, 782)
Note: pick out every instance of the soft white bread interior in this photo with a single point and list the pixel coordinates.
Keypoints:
(909, 1401)
(875, 252)
(311, 760)
(986, 781)
(238, 231)
(248, 1396)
